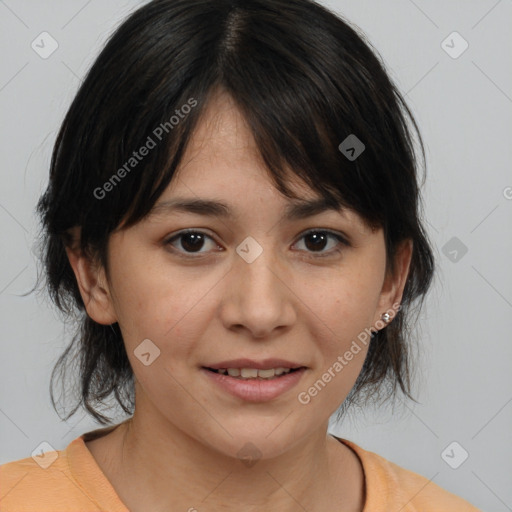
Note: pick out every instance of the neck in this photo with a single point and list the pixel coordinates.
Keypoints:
(155, 466)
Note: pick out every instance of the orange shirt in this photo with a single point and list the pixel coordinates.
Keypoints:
(70, 480)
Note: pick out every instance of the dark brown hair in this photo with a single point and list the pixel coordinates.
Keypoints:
(304, 80)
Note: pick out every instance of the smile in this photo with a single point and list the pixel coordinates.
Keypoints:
(258, 385)
(253, 373)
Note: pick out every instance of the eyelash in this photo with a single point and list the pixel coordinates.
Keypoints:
(343, 243)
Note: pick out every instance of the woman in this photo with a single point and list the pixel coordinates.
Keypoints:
(233, 210)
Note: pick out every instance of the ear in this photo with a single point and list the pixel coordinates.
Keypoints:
(394, 284)
(93, 286)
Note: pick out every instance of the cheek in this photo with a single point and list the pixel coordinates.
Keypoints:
(345, 304)
(169, 306)
(339, 322)
(341, 315)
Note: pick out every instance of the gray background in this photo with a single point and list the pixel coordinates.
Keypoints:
(463, 106)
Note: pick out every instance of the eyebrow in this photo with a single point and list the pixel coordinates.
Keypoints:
(296, 210)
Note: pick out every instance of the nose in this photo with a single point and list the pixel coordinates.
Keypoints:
(259, 297)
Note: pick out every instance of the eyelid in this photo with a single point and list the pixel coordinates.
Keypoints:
(175, 236)
(343, 243)
(340, 236)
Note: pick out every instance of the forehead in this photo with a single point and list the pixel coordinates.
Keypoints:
(222, 154)
(221, 139)
(222, 123)
(222, 170)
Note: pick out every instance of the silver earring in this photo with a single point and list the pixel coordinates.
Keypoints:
(386, 317)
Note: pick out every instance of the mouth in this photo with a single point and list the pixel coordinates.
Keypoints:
(254, 373)
(255, 385)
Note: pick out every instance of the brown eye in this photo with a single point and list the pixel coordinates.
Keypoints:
(317, 240)
(189, 242)
(192, 242)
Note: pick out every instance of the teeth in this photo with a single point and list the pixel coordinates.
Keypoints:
(247, 373)
(253, 373)
(265, 373)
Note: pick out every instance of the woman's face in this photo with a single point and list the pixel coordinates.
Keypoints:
(247, 284)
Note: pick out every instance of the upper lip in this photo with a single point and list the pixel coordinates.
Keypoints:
(265, 364)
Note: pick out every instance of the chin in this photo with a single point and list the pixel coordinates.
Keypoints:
(252, 444)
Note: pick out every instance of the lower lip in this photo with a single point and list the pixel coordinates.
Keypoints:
(256, 390)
